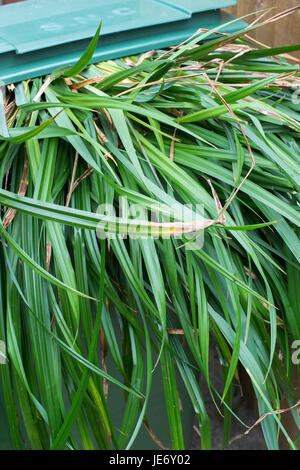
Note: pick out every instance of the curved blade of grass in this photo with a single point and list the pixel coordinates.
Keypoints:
(36, 267)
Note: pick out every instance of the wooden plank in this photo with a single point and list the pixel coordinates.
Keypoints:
(283, 32)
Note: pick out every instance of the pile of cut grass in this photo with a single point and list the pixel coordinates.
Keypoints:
(212, 125)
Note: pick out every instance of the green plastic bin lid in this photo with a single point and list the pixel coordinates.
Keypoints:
(38, 36)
